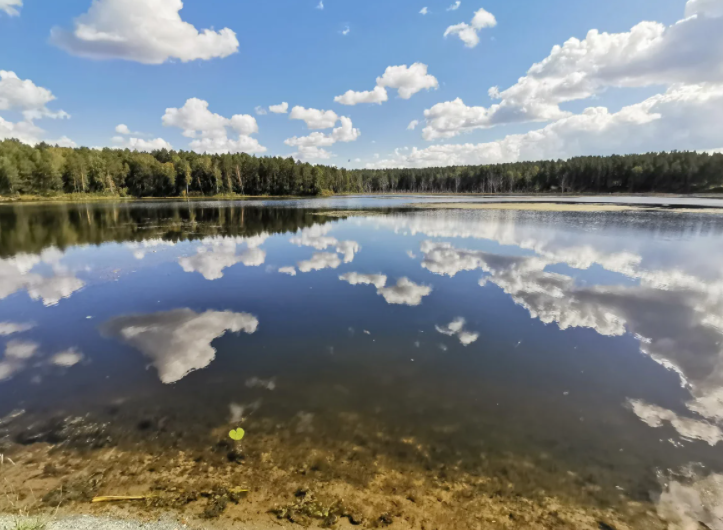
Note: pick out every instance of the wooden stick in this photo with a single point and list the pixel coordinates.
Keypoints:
(115, 498)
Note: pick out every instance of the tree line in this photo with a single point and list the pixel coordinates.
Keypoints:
(31, 228)
(45, 169)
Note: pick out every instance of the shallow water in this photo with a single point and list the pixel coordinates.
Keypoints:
(585, 344)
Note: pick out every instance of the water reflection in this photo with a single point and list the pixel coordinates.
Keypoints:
(218, 253)
(484, 333)
(16, 274)
(178, 342)
(405, 292)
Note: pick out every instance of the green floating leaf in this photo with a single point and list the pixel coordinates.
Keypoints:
(237, 434)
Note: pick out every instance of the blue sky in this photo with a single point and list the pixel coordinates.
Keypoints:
(292, 51)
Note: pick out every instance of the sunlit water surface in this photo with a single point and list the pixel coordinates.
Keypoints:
(593, 340)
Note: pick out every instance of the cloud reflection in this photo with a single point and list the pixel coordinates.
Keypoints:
(316, 237)
(16, 275)
(219, 253)
(178, 341)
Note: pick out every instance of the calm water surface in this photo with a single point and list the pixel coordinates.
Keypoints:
(591, 341)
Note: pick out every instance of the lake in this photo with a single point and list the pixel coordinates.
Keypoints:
(432, 368)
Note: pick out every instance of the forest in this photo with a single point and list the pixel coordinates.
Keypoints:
(50, 170)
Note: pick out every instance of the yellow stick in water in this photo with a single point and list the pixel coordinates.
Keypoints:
(115, 498)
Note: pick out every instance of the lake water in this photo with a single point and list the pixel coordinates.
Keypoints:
(570, 355)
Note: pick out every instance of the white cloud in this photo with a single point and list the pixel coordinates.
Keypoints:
(15, 360)
(345, 133)
(456, 327)
(423, 11)
(146, 31)
(350, 97)
(314, 118)
(455, 6)
(452, 328)
(688, 51)
(405, 292)
(407, 80)
(209, 130)
(311, 147)
(412, 125)
(319, 261)
(67, 358)
(312, 153)
(11, 7)
(469, 33)
(684, 117)
(25, 96)
(687, 428)
(139, 144)
(281, 108)
(217, 254)
(355, 278)
(320, 5)
(689, 502)
(178, 342)
(260, 110)
(16, 275)
(291, 271)
(122, 129)
(346, 31)
(9, 328)
(710, 8)
(316, 237)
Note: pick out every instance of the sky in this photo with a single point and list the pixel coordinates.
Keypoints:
(373, 84)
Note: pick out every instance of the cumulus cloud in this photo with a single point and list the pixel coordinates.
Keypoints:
(675, 316)
(456, 327)
(317, 237)
(25, 96)
(10, 328)
(67, 358)
(16, 358)
(312, 152)
(217, 254)
(139, 144)
(319, 261)
(146, 31)
(16, 275)
(412, 125)
(281, 108)
(355, 278)
(687, 428)
(178, 342)
(142, 247)
(455, 6)
(423, 11)
(311, 146)
(690, 501)
(684, 117)
(314, 118)
(210, 131)
(407, 80)
(11, 7)
(350, 97)
(687, 52)
(291, 271)
(405, 292)
(469, 33)
(260, 110)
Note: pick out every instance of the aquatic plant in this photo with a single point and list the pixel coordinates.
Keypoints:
(237, 434)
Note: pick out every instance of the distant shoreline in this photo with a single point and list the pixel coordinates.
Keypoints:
(93, 197)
